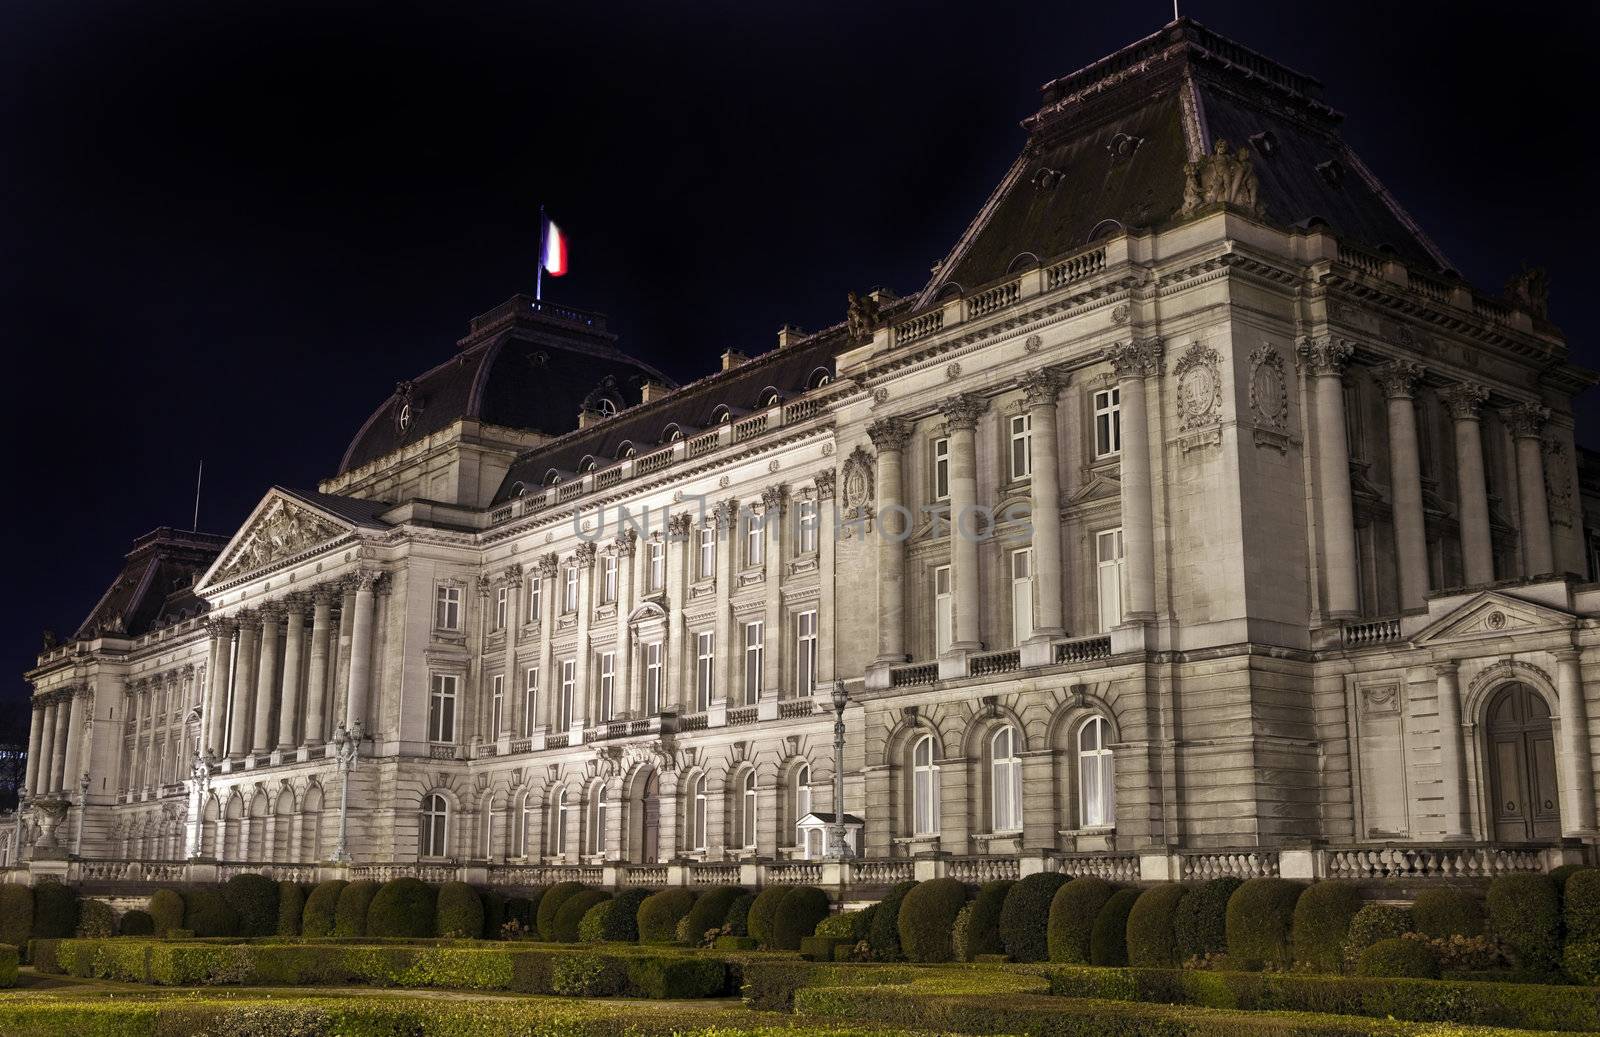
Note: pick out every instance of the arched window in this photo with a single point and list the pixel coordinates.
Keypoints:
(802, 791)
(1005, 772)
(435, 825)
(818, 378)
(558, 818)
(747, 813)
(597, 820)
(724, 417)
(552, 478)
(1097, 786)
(924, 787)
(608, 407)
(697, 812)
(589, 465)
(769, 398)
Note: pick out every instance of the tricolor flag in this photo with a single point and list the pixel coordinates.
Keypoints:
(553, 253)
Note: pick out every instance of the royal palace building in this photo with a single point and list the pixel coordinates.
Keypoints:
(1196, 517)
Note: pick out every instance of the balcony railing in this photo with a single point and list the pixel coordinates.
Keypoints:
(1377, 632)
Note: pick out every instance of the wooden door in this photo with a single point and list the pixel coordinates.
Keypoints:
(1522, 767)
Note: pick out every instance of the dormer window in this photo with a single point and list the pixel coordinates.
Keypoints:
(608, 407)
(769, 399)
(552, 478)
(818, 378)
(626, 453)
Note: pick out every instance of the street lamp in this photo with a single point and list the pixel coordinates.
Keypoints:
(838, 847)
(346, 750)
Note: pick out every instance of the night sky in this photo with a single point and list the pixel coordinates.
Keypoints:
(230, 228)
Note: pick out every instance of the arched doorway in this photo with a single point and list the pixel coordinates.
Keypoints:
(1522, 766)
(644, 819)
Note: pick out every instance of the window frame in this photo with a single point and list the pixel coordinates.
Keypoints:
(939, 470)
(705, 669)
(569, 587)
(806, 530)
(654, 677)
(1118, 566)
(535, 608)
(1022, 612)
(569, 693)
(924, 787)
(1005, 776)
(609, 576)
(444, 692)
(943, 610)
(656, 555)
(1019, 446)
(1098, 810)
(705, 552)
(755, 540)
(502, 606)
(497, 704)
(697, 813)
(749, 810)
(435, 826)
(806, 647)
(607, 692)
(530, 700)
(1106, 410)
(754, 659)
(447, 608)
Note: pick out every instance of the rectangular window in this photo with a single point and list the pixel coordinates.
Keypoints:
(502, 602)
(608, 579)
(1021, 445)
(1110, 566)
(442, 708)
(447, 608)
(1021, 595)
(706, 552)
(943, 616)
(941, 469)
(805, 528)
(608, 683)
(497, 703)
(569, 592)
(755, 540)
(652, 678)
(753, 648)
(805, 654)
(658, 565)
(530, 700)
(535, 598)
(705, 668)
(569, 691)
(1107, 422)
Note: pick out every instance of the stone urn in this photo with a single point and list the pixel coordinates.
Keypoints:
(49, 813)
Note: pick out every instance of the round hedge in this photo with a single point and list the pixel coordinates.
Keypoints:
(96, 920)
(564, 928)
(982, 935)
(797, 916)
(1580, 905)
(1200, 925)
(403, 907)
(738, 919)
(458, 912)
(207, 913)
(492, 904)
(621, 923)
(1398, 959)
(1375, 922)
(318, 918)
(1025, 916)
(544, 919)
(291, 908)
(1442, 913)
(1072, 913)
(1260, 923)
(927, 918)
(1108, 942)
(350, 917)
(136, 923)
(762, 910)
(255, 899)
(55, 911)
(166, 910)
(884, 936)
(1525, 912)
(16, 915)
(593, 925)
(660, 914)
(1321, 927)
(710, 911)
(1150, 939)
(1560, 875)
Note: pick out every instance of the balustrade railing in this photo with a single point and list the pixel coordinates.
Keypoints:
(881, 871)
(790, 708)
(794, 873)
(1075, 268)
(1083, 649)
(1113, 867)
(645, 875)
(991, 663)
(994, 299)
(1242, 864)
(978, 870)
(1377, 632)
(714, 875)
(914, 675)
(743, 715)
(1431, 862)
(918, 327)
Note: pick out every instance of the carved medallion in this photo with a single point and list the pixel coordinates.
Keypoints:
(1199, 387)
(857, 483)
(1269, 388)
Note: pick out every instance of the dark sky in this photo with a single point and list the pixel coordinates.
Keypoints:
(228, 229)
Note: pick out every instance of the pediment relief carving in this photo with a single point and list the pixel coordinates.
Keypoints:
(1101, 484)
(281, 530)
(1493, 615)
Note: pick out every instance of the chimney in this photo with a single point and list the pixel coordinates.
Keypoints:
(588, 416)
(732, 358)
(651, 390)
(789, 334)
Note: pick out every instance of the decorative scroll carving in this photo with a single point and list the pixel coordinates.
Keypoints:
(826, 479)
(282, 531)
(1269, 388)
(1558, 481)
(1140, 358)
(1380, 698)
(857, 480)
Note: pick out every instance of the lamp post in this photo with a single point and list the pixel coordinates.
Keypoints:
(346, 749)
(838, 847)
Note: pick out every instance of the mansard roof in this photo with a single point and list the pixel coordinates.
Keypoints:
(1108, 146)
(156, 584)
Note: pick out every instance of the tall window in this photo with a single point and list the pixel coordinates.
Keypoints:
(1006, 776)
(530, 700)
(561, 815)
(806, 520)
(706, 552)
(447, 608)
(442, 708)
(652, 678)
(1097, 786)
(705, 665)
(497, 703)
(608, 683)
(755, 540)
(524, 824)
(1021, 595)
(569, 690)
(435, 825)
(924, 787)
(658, 565)
(805, 653)
(597, 820)
(569, 588)
(802, 791)
(1110, 567)
(1107, 422)
(943, 604)
(697, 807)
(941, 469)
(535, 598)
(502, 603)
(753, 649)
(608, 579)
(1021, 441)
(747, 813)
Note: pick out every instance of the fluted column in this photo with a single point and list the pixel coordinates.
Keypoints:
(966, 525)
(1399, 379)
(774, 510)
(216, 711)
(889, 436)
(827, 548)
(361, 636)
(1326, 357)
(622, 695)
(74, 763)
(1452, 787)
(1477, 550)
(1577, 770)
(35, 746)
(266, 678)
(47, 750)
(548, 607)
(293, 654)
(58, 750)
(1040, 390)
(244, 685)
(1527, 422)
(1134, 363)
(317, 671)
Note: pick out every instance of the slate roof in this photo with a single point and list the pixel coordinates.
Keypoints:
(156, 585)
(355, 510)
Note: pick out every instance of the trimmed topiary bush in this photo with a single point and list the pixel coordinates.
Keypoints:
(1561, 874)
(136, 923)
(545, 918)
(1580, 959)
(960, 945)
(255, 899)
(403, 907)
(1260, 923)
(1372, 923)
(166, 910)
(592, 928)
(1072, 913)
(1580, 905)
(1442, 913)
(55, 911)
(1150, 940)
(1398, 959)
(291, 908)
(1525, 913)
(981, 934)
(1108, 941)
(660, 914)
(927, 917)
(322, 906)
(883, 938)
(1025, 916)
(738, 920)
(564, 929)
(458, 912)
(797, 916)
(1321, 925)
(493, 905)
(710, 911)
(1200, 925)
(207, 913)
(764, 908)
(9, 957)
(350, 917)
(621, 923)
(96, 920)
(16, 915)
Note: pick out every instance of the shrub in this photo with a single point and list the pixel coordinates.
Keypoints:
(710, 911)
(1260, 921)
(585, 975)
(738, 920)
(207, 913)
(1372, 923)
(762, 910)
(96, 920)
(678, 978)
(291, 908)
(797, 916)
(1561, 874)
(254, 898)
(927, 916)
(493, 905)
(545, 918)
(317, 920)
(1108, 941)
(350, 917)
(851, 924)
(960, 945)
(1525, 913)
(591, 929)
(982, 935)
(1580, 904)
(1072, 913)
(736, 943)
(660, 913)
(1398, 959)
(136, 923)
(819, 948)
(883, 939)
(621, 921)
(55, 911)
(16, 915)
(1321, 925)
(8, 965)
(1150, 939)
(403, 907)
(1443, 913)
(459, 912)
(1025, 916)
(1200, 925)
(1581, 960)
(564, 928)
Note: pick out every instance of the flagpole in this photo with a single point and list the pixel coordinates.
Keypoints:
(538, 278)
(198, 477)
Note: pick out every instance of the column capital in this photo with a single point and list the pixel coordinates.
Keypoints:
(726, 514)
(1139, 358)
(584, 555)
(773, 498)
(625, 543)
(1399, 378)
(1464, 399)
(827, 481)
(679, 525)
(1526, 420)
(513, 573)
(962, 410)
(1447, 668)
(1041, 388)
(367, 579)
(889, 435)
(272, 612)
(549, 564)
(1326, 355)
(324, 594)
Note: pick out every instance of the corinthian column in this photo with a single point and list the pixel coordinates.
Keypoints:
(317, 671)
(581, 709)
(216, 711)
(361, 648)
(1399, 380)
(293, 653)
(1326, 357)
(1477, 551)
(47, 749)
(622, 690)
(58, 747)
(1040, 390)
(774, 512)
(35, 746)
(889, 436)
(827, 545)
(266, 678)
(511, 708)
(960, 423)
(244, 686)
(1527, 423)
(72, 766)
(1134, 363)
(549, 566)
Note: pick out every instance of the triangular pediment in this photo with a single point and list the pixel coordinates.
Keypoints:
(280, 528)
(1492, 614)
(1101, 484)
